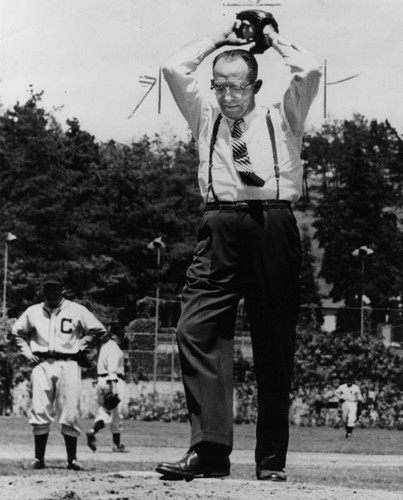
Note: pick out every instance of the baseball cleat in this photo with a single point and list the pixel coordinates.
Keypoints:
(119, 449)
(73, 465)
(91, 440)
(37, 464)
(271, 475)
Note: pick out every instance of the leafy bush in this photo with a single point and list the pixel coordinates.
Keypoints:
(157, 407)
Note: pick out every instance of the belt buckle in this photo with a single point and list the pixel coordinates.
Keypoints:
(241, 206)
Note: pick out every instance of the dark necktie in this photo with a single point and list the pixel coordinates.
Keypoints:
(241, 158)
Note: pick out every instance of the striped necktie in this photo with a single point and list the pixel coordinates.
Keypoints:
(241, 157)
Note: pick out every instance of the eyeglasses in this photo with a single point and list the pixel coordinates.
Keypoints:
(234, 90)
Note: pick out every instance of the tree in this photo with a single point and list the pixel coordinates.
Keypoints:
(355, 159)
(310, 299)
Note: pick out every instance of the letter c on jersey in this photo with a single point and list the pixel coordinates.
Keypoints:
(64, 328)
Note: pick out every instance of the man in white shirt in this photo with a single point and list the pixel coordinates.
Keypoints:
(248, 245)
(54, 335)
(350, 397)
(110, 368)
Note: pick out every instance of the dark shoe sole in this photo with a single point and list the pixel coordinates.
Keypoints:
(175, 474)
(75, 467)
(279, 478)
(37, 466)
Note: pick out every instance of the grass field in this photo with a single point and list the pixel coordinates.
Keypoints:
(303, 439)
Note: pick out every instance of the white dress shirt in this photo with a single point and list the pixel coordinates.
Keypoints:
(288, 119)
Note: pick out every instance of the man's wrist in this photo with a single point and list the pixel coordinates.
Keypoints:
(219, 39)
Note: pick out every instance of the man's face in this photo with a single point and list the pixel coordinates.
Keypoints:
(234, 74)
(52, 293)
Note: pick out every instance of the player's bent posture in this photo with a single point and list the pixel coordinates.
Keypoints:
(248, 245)
(110, 368)
(54, 336)
(350, 397)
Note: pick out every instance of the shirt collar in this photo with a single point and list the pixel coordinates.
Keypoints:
(247, 118)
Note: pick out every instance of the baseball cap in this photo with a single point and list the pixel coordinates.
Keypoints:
(54, 279)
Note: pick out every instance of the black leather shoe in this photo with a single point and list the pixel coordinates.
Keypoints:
(270, 475)
(190, 466)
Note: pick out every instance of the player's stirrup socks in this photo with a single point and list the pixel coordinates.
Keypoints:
(71, 447)
(40, 445)
(99, 424)
(116, 439)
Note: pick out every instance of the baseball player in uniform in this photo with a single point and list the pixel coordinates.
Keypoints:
(110, 369)
(349, 396)
(54, 336)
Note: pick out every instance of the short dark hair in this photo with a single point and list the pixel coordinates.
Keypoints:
(231, 55)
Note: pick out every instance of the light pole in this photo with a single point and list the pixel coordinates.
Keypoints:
(9, 238)
(363, 252)
(156, 244)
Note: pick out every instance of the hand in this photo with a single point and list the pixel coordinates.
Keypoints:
(82, 360)
(32, 357)
(230, 37)
(268, 30)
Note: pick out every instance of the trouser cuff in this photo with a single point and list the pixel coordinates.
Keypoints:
(212, 438)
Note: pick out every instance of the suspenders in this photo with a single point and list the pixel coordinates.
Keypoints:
(275, 157)
(273, 146)
(210, 167)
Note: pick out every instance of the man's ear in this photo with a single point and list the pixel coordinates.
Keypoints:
(258, 85)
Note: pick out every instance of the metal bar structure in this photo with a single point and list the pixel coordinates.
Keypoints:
(159, 90)
(148, 80)
(4, 307)
(325, 90)
(252, 3)
(326, 83)
(157, 303)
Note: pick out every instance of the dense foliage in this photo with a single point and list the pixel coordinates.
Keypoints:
(358, 166)
(322, 363)
(89, 210)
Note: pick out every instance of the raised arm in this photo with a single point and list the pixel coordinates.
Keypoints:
(304, 85)
(179, 72)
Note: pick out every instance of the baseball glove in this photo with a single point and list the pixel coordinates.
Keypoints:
(111, 400)
(257, 19)
(82, 360)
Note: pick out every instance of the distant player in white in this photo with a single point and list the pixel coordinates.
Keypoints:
(349, 396)
(111, 372)
(54, 336)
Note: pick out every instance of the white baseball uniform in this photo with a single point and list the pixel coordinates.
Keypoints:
(56, 336)
(110, 368)
(350, 396)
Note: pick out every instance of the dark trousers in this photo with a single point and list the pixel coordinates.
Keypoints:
(255, 254)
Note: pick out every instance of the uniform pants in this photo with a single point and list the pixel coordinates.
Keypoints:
(255, 254)
(112, 417)
(349, 413)
(56, 393)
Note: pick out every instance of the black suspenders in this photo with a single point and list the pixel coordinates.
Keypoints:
(273, 146)
(275, 157)
(210, 167)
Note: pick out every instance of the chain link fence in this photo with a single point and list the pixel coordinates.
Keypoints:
(143, 363)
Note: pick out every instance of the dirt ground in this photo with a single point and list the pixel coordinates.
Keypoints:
(98, 482)
(128, 485)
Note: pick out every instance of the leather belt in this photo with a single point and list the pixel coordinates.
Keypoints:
(247, 206)
(57, 356)
(106, 374)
